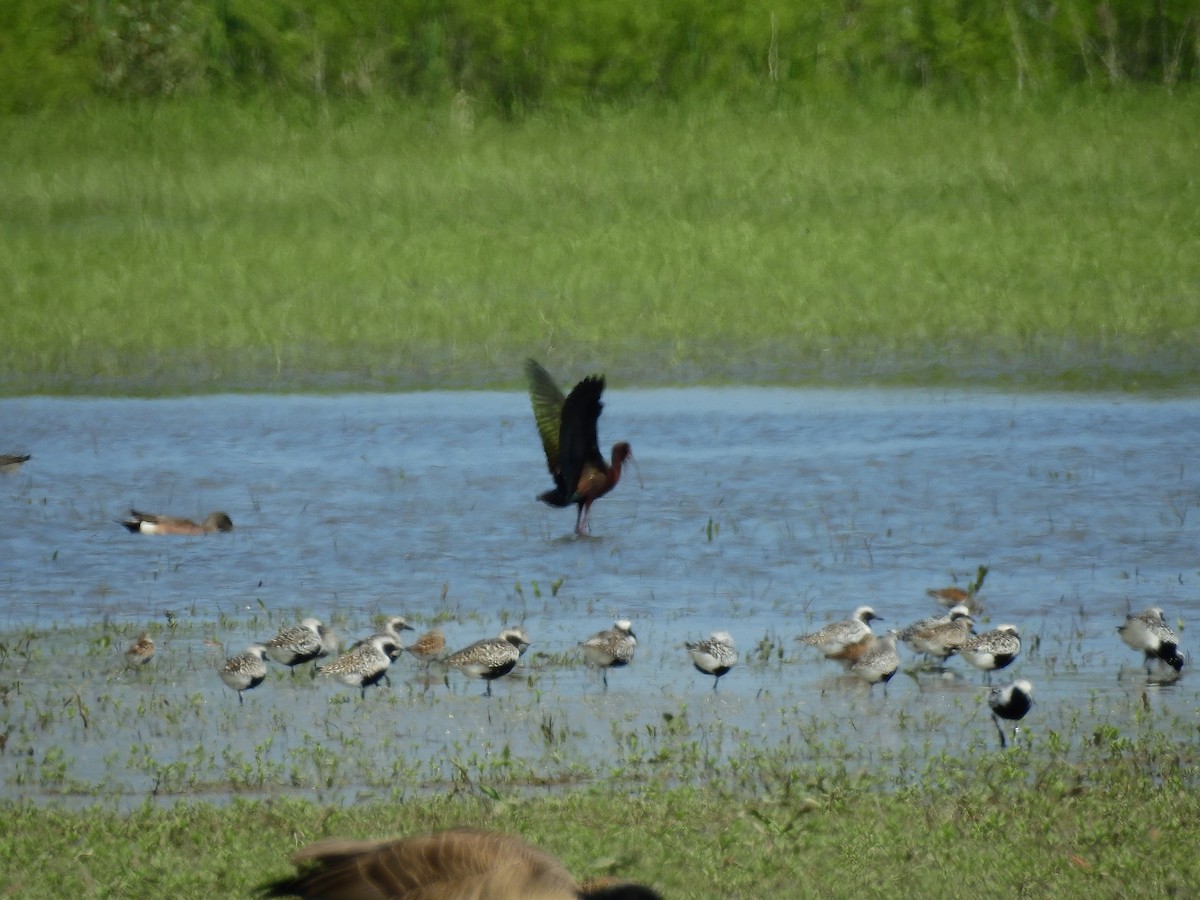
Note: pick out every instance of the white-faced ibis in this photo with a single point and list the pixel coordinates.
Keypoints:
(993, 649)
(847, 640)
(460, 864)
(1010, 702)
(1149, 633)
(567, 426)
(148, 523)
(246, 670)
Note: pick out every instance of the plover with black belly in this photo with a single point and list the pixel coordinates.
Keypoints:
(10, 462)
(879, 664)
(611, 648)
(490, 658)
(939, 636)
(392, 626)
(1149, 633)
(715, 655)
(847, 640)
(993, 649)
(246, 670)
(1010, 702)
(294, 645)
(140, 651)
(364, 664)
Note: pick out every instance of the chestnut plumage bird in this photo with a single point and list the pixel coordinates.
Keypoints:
(567, 426)
(460, 864)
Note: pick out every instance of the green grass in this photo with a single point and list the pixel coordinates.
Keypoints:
(210, 246)
(1124, 823)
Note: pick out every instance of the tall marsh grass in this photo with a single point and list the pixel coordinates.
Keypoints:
(214, 246)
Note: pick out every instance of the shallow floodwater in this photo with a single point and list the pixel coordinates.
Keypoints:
(763, 512)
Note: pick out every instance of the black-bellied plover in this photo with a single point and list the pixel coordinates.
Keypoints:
(455, 865)
(294, 645)
(715, 655)
(939, 636)
(427, 648)
(567, 427)
(1149, 633)
(490, 658)
(1010, 702)
(140, 651)
(246, 670)
(364, 664)
(993, 649)
(148, 523)
(611, 648)
(846, 640)
(10, 462)
(880, 663)
(391, 628)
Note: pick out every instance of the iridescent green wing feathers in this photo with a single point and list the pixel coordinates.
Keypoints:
(547, 401)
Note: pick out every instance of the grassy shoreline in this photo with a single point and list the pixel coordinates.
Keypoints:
(212, 246)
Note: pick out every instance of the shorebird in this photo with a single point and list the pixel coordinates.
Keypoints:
(490, 658)
(611, 648)
(939, 636)
(10, 462)
(294, 645)
(880, 663)
(846, 640)
(567, 427)
(428, 647)
(148, 523)
(364, 664)
(715, 655)
(1010, 702)
(1149, 633)
(993, 649)
(391, 629)
(140, 651)
(246, 670)
(461, 864)
(954, 596)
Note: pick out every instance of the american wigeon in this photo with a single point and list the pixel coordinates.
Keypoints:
(10, 462)
(148, 523)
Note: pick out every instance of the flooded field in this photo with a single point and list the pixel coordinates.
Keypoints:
(766, 513)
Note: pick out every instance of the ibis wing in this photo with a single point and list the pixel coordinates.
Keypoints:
(577, 442)
(547, 402)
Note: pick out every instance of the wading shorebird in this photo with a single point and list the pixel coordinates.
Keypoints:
(140, 651)
(294, 645)
(246, 670)
(1149, 633)
(490, 658)
(939, 636)
(392, 626)
(10, 462)
(992, 650)
(428, 647)
(879, 664)
(567, 426)
(847, 640)
(611, 648)
(364, 664)
(715, 655)
(1010, 702)
(460, 864)
(968, 597)
(148, 523)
